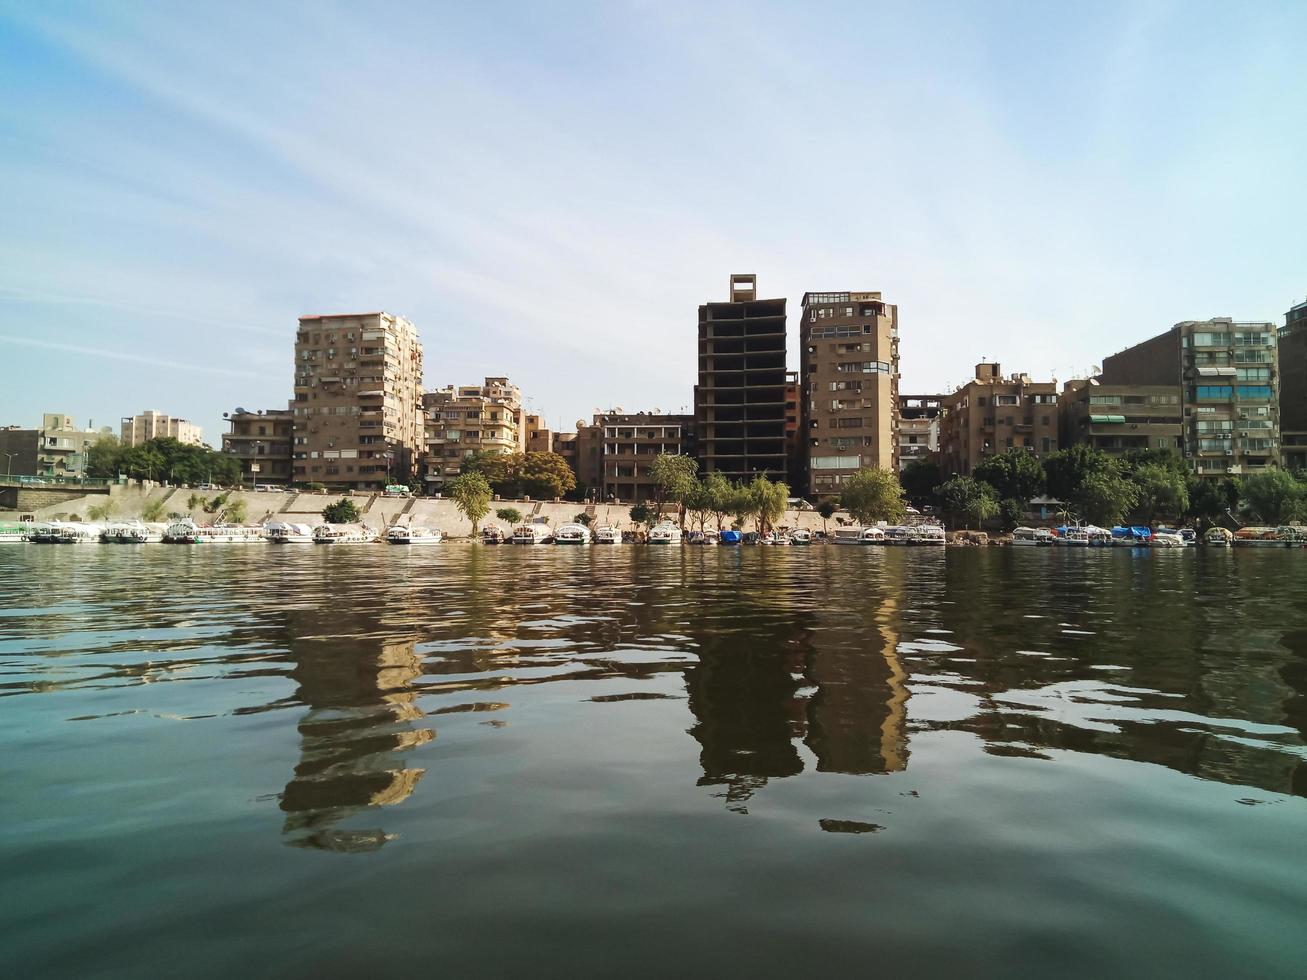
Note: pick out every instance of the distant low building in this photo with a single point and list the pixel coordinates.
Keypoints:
(150, 424)
(57, 450)
(261, 442)
(919, 418)
(1120, 418)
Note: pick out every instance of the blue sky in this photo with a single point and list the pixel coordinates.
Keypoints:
(549, 190)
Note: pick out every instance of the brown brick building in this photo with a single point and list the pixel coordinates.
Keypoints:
(261, 442)
(1293, 388)
(849, 375)
(992, 414)
(358, 394)
(461, 420)
(739, 400)
(631, 441)
(1119, 418)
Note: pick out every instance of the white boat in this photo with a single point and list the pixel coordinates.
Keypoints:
(608, 534)
(188, 532)
(1217, 537)
(405, 534)
(343, 534)
(73, 532)
(1166, 539)
(859, 535)
(929, 534)
(1030, 537)
(15, 533)
(536, 532)
(800, 536)
(492, 534)
(571, 534)
(1099, 537)
(772, 537)
(285, 532)
(1073, 537)
(45, 532)
(665, 532)
(898, 534)
(133, 532)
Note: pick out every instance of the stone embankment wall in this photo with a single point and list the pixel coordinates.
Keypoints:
(28, 499)
(377, 510)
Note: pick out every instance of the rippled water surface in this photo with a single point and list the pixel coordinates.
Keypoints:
(643, 762)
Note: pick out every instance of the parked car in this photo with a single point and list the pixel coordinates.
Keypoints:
(398, 490)
(208, 486)
(269, 488)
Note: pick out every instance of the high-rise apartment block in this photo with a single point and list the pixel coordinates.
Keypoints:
(1227, 374)
(358, 396)
(1293, 388)
(918, 427)
(739, 400)
(468, 419)
(992, 414)
(849, 375)
(150, 424)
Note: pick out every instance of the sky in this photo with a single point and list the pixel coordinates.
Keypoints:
(549, 191)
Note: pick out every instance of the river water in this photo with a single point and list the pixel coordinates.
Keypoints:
(651, 762)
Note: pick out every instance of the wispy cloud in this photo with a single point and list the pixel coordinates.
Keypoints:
(117, 355)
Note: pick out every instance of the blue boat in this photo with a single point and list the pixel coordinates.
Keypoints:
(730, 537)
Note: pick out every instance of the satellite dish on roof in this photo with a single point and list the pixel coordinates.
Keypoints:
(241, 411)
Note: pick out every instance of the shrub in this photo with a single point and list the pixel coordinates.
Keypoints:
(341, 512)
(510, 515)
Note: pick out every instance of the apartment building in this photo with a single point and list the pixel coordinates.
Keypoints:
(1293, 388)
(1119, 418)
(739, 400)
(539, 438)
(55, 451)
(358, 400)
(150, 424)
(991, 414)
(1228, 376)
(261, 442)
(467, 419)
(918, 427)
(630, 443)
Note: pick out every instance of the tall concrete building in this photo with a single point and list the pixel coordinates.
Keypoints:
(992, 414)
(1120, 418)
(849, 374)
(1293, 388)
(630, 443)
(1228, 376)
(261, 442)
(739, 400)
(358, 400)
(150, 424)
(467, 419)
(919, 427)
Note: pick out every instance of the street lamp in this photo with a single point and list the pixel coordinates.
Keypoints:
(9, 462)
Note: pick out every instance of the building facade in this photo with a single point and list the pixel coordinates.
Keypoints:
(992, 414)
(150, 424)
(461, 421)
(739, 400)
(849, 373)
(630, 443)
(539, 438)
(358, 400)
(55, 451)
(918, 427)
(1120, 418)
(1293, 388)
(261, 442)
(1228, 376)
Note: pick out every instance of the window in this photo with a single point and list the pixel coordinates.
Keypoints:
(1213, 392)
(1047, 443)
(836, 462)
(1254, 391)
(1104, 399)
(1253, 374)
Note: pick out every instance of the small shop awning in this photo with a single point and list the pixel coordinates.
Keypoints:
(1105, 419)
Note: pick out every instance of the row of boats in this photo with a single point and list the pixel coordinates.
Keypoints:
(188, 532)
(1089, 536)
(669, 533)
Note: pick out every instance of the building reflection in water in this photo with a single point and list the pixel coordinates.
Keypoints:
(798, 666)
(361, 714)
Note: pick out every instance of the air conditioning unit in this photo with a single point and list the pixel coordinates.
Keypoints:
(1229, 452)
(1188, 455)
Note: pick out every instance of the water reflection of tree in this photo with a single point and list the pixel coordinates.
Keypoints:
(797, 651)
(361, 712)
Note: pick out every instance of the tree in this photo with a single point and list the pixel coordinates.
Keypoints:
(546, 475)
(1105, 497)
(641, 514)
(341, 512)
(699, 503)
(719, 496)
(471, 493)
(499, 469)
(873, 495)
(1067, 469)
(919, 479)
(1210, 500)
(769, 500)
(100, 512)
(1162, 491)
(235, 512)
(1272, 496)
(1015, 474)
(509, 515)
(1011, 512)
(827, 509)
(743, 505)
(965, 498)
(103, 457)
(584, 519)
(153, 511)
(674, 480)
(194, 502)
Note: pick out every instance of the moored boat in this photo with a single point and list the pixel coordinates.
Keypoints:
(285, 532)
(928, 534)
(1031, 537)
(1099, 537)
(898, 534)
(74, 532)
(1166, 539)
(800, 536)
(407, 534)
(1217, 537)
(859, 535)
(536, 532)
(133, 532)
(16, 533)
(571, 534)
(492, 534)
(344, 534)
(1071, 537)
(665, 532)
(188, 532)
(607, 534)
(730, 536)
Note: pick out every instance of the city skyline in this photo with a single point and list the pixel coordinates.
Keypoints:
(551, 195)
